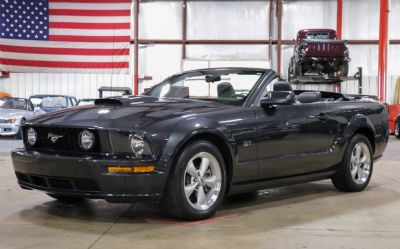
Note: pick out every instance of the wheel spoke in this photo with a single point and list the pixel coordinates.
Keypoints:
(360, 174)
(201, 196)
(354, 171)
(358, 151)
(191, 169)
(190, 188)
(205, 163)
(211, 181)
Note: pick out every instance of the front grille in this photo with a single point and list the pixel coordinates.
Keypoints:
(69, 142)
(58, 183)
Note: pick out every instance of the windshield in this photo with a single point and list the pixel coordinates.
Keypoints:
(49, 101)
(13, 103)
(224, 86)
(86, 102)
(317, 36)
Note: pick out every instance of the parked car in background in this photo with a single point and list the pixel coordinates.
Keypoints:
(14, 112)
(320, 52)
(49, 103)
(200, 135)
(394, 120)
(83, 102)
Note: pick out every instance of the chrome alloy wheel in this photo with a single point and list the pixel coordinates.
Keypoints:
(360, 163)
(202, 181)
(397, 129)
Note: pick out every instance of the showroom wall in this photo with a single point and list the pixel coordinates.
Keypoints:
(229, 20)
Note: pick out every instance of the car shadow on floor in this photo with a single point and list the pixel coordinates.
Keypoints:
(280, 207)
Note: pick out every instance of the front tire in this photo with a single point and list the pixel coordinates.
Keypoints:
(197, 183)
(354, 172)
(397, 129)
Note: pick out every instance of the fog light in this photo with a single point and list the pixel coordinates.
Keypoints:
(31, 136)
(139, 169)
(137, 145)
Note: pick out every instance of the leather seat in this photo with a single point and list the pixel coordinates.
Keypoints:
(309, 97)
(225, 90)
(282, 86)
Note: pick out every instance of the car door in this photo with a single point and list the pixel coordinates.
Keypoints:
(293, 139)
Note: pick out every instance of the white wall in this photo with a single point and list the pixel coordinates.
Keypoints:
(229, 20)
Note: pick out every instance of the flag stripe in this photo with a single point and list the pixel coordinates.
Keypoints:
(90, 1)
(72, 12)
(72, 38)
(91, 32)
(64, 64)
(23, 69)
(66, 58)
(63, 51)
(56, 44)
(90, 6)
(80, 25)
(89, 19)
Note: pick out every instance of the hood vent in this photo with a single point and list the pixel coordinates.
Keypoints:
(108, 102)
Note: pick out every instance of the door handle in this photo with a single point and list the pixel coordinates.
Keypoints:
(321, 116)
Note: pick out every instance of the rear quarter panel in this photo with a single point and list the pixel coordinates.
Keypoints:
(350, 117)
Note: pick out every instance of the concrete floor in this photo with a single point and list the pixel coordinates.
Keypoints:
(310, 215)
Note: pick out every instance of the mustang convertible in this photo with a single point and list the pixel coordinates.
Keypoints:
(199, 136)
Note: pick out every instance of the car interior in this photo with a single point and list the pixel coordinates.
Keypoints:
(306, 97)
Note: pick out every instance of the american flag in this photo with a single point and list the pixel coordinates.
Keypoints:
(65, 36)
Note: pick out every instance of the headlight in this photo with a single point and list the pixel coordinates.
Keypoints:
(86, 140)
(31, 136)
(130, 143)
(11, 120)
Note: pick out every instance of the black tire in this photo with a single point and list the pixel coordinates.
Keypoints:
(66, 198)
(343, 179)
(397, 129)
(177, 204)
(18, 136)
(344, 69)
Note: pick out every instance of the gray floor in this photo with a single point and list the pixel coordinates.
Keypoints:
(310, 215)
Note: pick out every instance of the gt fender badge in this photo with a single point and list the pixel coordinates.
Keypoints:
(246, 143)
(54, 138)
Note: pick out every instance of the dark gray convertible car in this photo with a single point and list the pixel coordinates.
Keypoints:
(199, 136)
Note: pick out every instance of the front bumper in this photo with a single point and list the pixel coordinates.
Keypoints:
(9, 129)
(85, 176)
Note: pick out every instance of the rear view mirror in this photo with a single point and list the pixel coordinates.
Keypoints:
(277, 98)
(213, 78)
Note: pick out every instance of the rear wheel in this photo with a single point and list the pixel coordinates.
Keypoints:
(354, 172)
(397, 128)
(66, 198)
(198, 182)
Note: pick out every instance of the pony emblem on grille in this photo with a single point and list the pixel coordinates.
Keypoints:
(53, 137)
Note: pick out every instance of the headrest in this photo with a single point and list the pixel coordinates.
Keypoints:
(309, 97)
(282, 86)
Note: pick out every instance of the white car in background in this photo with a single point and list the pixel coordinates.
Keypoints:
(14, 112)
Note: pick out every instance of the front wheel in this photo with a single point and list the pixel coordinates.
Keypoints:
(197, 185)
(397, 128)
(354, 172)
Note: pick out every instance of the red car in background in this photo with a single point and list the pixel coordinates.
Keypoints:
(394, 120)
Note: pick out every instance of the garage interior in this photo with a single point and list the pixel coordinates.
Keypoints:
(168, 37)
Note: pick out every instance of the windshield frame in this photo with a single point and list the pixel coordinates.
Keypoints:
(16, 99)
(216, 72)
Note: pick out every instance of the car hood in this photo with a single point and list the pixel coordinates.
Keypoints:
(127, 113)
(11, 113)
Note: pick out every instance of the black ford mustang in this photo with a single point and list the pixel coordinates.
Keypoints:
(200, 135)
